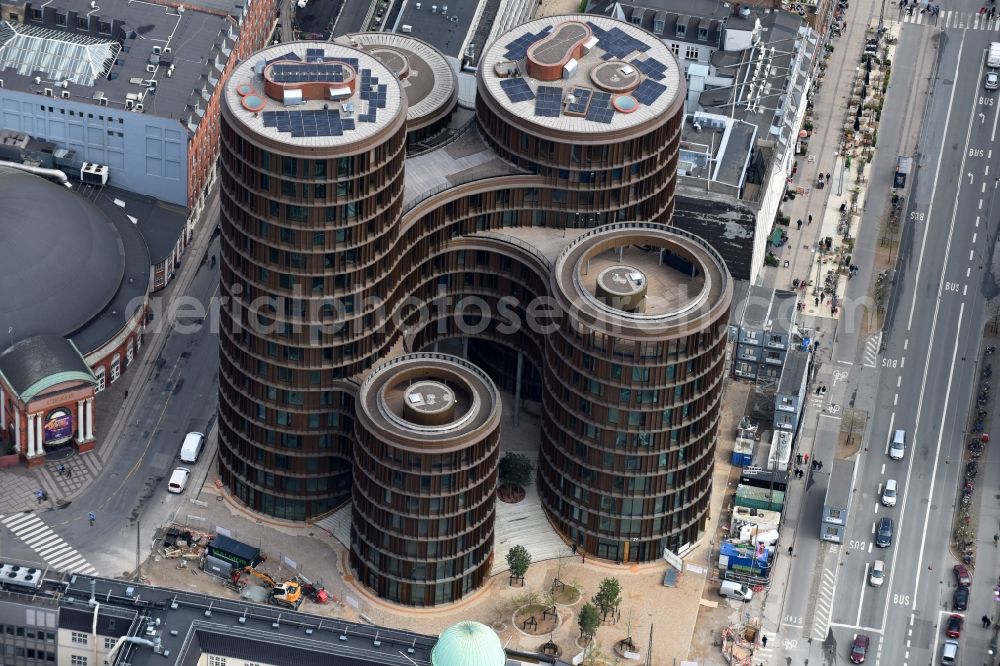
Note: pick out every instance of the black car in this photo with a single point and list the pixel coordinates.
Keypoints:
(883, 534)
(960, 599)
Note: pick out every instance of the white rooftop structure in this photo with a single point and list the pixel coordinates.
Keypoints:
(581, 73)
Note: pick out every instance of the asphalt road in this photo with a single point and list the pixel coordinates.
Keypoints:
(181, 395)
(925, 378)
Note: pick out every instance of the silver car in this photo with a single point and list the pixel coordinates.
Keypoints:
(992, 81)
(898, 447)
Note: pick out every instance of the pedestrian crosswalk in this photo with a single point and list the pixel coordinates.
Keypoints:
(873, 345)
(38, 536)
(953, 19)
(824, 605)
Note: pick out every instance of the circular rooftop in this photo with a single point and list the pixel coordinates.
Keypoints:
(561, 72)
(642, 280)
(314, 94)
(428, 400)
(61, 259)
(468, 644)
(428, 81)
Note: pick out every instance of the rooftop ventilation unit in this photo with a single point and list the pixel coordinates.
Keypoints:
(48, 92)
(65, 94)
(150, 68)
(156, 50)
(13, 575)
(139, 107)
(167, 49)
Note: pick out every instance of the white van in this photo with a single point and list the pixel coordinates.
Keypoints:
(898, 447)
(889, 493)
(733, 590)
(191, 448)
(178, 480)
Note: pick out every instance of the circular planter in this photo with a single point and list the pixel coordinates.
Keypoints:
(569, 595)
(510, 494)
(543, 628)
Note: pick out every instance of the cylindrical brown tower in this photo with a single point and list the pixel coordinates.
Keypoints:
(592, 104)
(425, 476)
(312, 149)
(632, 395)
(430, 84)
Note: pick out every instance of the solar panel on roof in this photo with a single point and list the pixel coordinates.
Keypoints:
(305, 73)
(319, 122)
(517, 90)
(581, 99)
(518, 48)
(648, 92)
(619, 44)
(287, 56)
(600, 110)
(548, 101)
(651, 67)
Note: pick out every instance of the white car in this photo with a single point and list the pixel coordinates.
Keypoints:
(178, 480)
(877, 575)
(992, 81)
(889, 493)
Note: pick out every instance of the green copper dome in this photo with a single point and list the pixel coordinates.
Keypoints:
(468, 644)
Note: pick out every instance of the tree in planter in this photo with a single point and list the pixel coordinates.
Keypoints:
(518, 559)
(588, 620)
(609, 596)
(515, 470)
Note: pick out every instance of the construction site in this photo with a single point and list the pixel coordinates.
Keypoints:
(216, 563)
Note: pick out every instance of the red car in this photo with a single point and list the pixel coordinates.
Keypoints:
(954, 627)
(962, 576)
(860, 649)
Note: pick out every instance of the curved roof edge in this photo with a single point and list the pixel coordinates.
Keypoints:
(35, 364)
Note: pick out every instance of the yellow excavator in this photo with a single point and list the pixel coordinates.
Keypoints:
(287, 594)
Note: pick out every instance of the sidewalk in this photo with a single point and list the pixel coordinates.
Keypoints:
(812, 558)
(117, 400)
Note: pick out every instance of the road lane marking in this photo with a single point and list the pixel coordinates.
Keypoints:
(892, 420)
(968, 271)
(974, 235)
(861, 597)
(937, 172)
(57, 554)
(899, 381)
(983, 191)
(965, 289)
(971, 254)
(980, 204)
(902, 362)
(895, 400)
(906, 343)
(937, 452)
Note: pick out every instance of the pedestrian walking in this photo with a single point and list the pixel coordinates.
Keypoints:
(69, 473)
(789, 554)
(985, 621)
(798, 458)
(62, 469)
(798, 225)
(583, 558)
(810, 219)
(996, 539)
(38, 496)
(816, 302)
(91, 517)
(807, 458)
(574, 549)
(763, 640)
